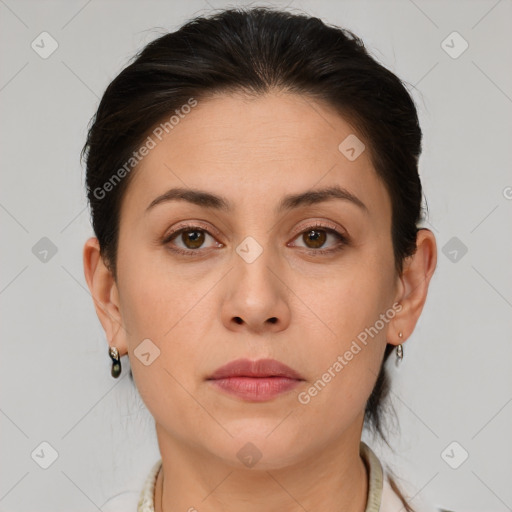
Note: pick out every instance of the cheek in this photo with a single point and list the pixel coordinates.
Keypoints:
(153, 297)
(344, 302)
(339, 393)
(343, 373)
(347, 333)
(170, 313)
(161, 323)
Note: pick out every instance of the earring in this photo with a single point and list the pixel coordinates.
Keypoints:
(116, 362)
(399, 350)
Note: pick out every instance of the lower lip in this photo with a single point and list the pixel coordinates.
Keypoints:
(256, 389)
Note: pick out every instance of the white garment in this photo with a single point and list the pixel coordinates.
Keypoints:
(381, 497)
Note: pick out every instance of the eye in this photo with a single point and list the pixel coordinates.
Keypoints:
(189, 240)
(316, 236)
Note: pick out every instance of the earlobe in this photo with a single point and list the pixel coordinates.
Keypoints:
(103, 289)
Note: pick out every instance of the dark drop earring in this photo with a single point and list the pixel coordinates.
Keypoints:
(399, 351)
(116, 362)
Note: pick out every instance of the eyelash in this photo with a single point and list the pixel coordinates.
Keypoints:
(343, 240)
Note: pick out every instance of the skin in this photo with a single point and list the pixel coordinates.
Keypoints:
(253, 152)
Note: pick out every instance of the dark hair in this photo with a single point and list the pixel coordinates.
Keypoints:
(254, 51)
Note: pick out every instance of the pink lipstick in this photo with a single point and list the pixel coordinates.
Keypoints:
(256, 381)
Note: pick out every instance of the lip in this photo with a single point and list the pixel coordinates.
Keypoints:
(260, 368)
(255, 381)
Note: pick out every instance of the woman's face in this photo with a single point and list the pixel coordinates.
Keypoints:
(205, 297)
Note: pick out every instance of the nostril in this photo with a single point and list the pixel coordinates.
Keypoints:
(272, 320)
(238, 320)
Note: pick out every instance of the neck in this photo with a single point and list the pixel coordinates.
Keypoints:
(333, 480)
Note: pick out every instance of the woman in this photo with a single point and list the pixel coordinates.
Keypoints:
(255, 198)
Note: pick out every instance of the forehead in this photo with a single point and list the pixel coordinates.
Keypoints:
(255, 150)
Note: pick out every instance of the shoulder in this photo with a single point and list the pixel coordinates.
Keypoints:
(146, 503)
(121, 502)
(385, 494)
(391, 501)
(140, 500)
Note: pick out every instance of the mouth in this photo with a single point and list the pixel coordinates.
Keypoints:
(262, 368)
(255, 381)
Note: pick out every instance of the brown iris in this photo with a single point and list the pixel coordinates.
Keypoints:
(317, 236)
(193, 239)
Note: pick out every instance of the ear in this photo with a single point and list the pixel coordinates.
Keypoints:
(414, 282)
(105, 295)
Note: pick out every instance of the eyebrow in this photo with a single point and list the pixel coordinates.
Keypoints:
(289, 202)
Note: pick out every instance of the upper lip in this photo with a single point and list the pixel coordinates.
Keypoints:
(259, 368)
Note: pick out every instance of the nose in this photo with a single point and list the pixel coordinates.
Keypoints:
(255, 296)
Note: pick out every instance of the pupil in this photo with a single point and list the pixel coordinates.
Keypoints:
(194, 238)
(317, 237)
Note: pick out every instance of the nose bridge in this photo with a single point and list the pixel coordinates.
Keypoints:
(256, 297)
(254, 280)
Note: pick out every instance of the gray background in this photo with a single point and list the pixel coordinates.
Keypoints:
(455, 383)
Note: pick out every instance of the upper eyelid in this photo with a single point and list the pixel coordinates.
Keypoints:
(343, 239)
(324, 225)
(198, 225)
(340, 234)
(317, 224)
